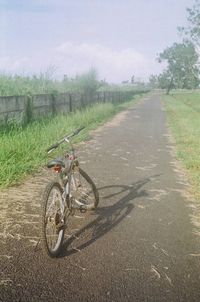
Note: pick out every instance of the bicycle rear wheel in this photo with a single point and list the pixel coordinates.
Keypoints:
(83, 190)
(52, 219)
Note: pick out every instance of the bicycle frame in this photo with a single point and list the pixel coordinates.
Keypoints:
(66, 177)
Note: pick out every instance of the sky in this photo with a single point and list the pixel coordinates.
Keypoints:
(119, 38)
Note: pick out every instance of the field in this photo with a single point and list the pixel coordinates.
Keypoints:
(23, 149)
(183, 110)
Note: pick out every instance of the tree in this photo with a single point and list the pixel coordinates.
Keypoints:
(153, 81)
(182, 70)
(165, 81)
(192, 32)
(88, 82)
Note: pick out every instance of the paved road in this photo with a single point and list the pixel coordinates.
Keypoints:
(140, 245)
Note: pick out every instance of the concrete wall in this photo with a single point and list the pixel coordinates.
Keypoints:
(14, 108)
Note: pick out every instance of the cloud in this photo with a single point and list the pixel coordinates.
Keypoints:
(72, 58)
(12, 65)
(114, 65)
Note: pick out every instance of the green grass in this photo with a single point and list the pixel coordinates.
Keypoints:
(45, 83)
(183, 110)
(23, 150)
(11, 84)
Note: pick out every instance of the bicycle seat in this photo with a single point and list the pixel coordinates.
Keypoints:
(55, 162)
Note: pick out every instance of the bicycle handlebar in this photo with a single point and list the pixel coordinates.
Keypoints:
(54, 146)
(78, 130)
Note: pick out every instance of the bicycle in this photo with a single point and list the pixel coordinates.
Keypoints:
(74, 190)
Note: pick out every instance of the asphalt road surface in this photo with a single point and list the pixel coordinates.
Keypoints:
(141, 244)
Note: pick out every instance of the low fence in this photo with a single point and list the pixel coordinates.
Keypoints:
(23, 109)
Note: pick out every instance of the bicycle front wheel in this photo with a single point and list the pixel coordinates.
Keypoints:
(83, 190)
(52, 219)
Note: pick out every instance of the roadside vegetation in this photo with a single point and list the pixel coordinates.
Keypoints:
(46, 83)
(183, 110)
(23, 149)
(181, 81)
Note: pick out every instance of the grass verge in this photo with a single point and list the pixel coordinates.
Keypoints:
(183, 111)
(22, 151)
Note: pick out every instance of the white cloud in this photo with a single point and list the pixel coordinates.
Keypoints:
(72, 58)
(114, 65)
(12, 65)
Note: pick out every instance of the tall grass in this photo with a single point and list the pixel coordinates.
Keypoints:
(183, 111)
(23, 149)
(20, 85)
(45, 83)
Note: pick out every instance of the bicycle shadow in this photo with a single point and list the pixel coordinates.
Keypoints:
(108, 216)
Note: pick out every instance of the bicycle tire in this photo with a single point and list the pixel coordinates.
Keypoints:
(88, 185)
(52, 251)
